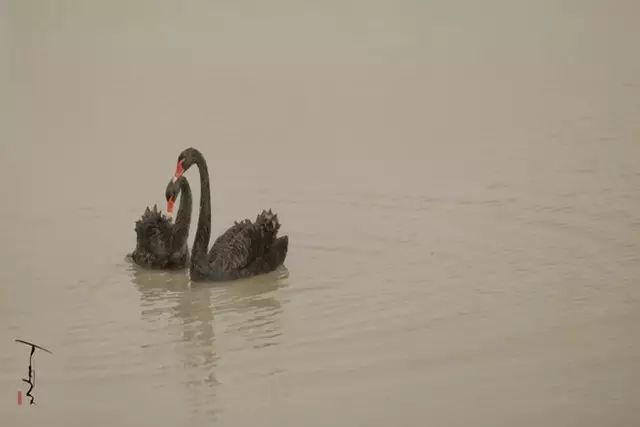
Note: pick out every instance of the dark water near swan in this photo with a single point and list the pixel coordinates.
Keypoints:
(459, 181)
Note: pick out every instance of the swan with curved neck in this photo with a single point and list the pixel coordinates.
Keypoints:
(245, 249)
(161, 244)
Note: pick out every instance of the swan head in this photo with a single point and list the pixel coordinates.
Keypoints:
(171, 193)
(185, 160)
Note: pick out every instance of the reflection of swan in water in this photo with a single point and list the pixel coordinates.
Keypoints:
(168, 293)
(252, 298)
(250, 310)
(247, 312)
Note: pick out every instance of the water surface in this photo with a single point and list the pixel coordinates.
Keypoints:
(459, 183)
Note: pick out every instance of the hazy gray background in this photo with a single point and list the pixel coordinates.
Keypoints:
(459, 181)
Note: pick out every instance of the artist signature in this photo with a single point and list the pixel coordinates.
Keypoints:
(32, 372)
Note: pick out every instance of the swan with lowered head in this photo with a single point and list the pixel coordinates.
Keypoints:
(161, 244)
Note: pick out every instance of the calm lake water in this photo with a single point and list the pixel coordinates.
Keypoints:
(459, 182)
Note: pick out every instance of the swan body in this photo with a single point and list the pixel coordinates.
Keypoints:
(160, 243)
(245, 249)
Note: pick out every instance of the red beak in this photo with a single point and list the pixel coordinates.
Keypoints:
(179, 169)
(170, 203)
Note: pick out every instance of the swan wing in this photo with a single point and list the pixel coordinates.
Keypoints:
(222, 242)
(153, 234)
(245, 243)
(237, 251)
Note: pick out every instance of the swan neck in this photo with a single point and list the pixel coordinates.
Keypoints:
(203, 233)
(183, 219)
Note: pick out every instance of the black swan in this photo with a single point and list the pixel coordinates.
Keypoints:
(160, 243)
(245, 249)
